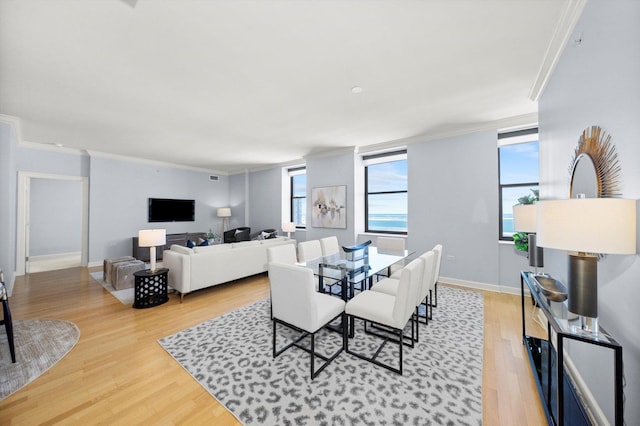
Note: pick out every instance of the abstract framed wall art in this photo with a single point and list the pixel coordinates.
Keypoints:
(329, 207)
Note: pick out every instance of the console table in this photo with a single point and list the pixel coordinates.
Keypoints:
(150, 288)
(561, 403)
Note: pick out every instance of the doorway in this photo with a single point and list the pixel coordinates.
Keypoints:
(53, 218)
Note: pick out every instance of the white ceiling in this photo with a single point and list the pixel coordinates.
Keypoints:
(234, 85)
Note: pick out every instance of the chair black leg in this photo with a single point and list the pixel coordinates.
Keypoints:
(313, 354)
(435, 305)
(8, 325)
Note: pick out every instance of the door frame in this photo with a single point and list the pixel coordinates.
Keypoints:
(24, 206)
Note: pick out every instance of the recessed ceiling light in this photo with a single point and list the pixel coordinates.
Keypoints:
(58, 144)
(356, 89)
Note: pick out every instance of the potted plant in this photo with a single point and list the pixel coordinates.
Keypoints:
(521, 239)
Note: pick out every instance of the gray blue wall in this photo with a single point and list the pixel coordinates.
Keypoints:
(7, 202)
(598, 83)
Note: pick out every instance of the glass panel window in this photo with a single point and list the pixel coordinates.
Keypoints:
(299, 198)
(386, 194)
(519, 176)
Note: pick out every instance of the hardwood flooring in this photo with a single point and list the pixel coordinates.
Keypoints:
(118, 373)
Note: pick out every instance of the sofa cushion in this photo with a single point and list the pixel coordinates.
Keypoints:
(246, 244)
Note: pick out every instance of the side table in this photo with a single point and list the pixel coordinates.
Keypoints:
(150, 288)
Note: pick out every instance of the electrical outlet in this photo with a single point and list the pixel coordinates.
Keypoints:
(451, 258)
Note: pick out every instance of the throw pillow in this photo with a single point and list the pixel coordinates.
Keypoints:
(202, 242)
(190, 244)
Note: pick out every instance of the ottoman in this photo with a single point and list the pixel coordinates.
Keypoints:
(123, 274)
(107, 267)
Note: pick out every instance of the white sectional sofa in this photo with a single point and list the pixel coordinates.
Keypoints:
(201, 267)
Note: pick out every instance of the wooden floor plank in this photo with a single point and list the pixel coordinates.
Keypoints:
(119, 374)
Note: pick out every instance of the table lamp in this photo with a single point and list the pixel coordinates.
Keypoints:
(524, 220)
(288, 227)
(224, 213)
(152, 238)
(587, 227)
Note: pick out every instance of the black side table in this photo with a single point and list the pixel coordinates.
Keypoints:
(150, 288)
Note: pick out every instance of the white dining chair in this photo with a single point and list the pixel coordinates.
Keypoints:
(389, 311)
(309, 250)
(284, 253)
(297, 305)
(391, 244)
(329, 246)
(436, 276)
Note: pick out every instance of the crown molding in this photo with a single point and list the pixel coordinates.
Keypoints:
(101, 154)
(556, 46)
(14, 123)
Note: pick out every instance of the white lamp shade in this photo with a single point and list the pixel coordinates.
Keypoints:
(288, 227)
(589, 225)
(524, 218)
(224, 212)
(152, 237)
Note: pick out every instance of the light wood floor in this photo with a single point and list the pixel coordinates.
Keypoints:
(119, 374)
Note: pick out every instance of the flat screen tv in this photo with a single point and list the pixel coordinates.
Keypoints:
(171, 210)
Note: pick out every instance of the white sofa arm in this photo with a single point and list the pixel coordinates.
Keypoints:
(179, 265)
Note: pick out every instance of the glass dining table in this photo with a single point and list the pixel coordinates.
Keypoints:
(353, 272)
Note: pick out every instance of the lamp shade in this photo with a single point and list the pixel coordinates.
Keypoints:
(224, 212)
(524, 218)
(288, 227)
(152, 237)
(589, 225)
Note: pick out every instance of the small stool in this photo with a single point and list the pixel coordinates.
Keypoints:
(107, 267)
(151, 288)
(123, 275)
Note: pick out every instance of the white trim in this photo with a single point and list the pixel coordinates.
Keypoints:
(22, 217)
(481, 286)
(119, 157)
(556, 46)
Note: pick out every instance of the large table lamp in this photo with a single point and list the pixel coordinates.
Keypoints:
(587, 227)
(152, 238)
(524, 220)
(289, 227)
(225, 214)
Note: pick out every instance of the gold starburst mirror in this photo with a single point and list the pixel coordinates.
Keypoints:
(594, 169)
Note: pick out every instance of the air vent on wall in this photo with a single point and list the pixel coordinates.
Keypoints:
(213, 177)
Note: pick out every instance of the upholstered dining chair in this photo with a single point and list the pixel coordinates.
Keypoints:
(284, 253)
(329, 246)
(297, 305)
(309, 250)
(389, 311)
(436, 276)
(392, 244)
(390, 286)
(6, 318)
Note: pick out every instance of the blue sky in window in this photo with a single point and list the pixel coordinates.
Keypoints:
(519, 163)
(391, 176)
(300, 185)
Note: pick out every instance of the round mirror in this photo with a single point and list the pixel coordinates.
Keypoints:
(584, 180)
(594, 167)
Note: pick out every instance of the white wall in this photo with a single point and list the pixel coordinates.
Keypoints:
(453, 201)
(265, 208)
(119, 192)
(237, 201)
(55, 217)
(598, 83)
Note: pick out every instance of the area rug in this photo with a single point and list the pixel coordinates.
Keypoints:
(40, 344)
(125, 296)
(230, 356)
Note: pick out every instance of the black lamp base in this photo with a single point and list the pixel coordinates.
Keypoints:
(583, 290)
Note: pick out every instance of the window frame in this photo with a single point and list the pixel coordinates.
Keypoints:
(401, 156)
(516, 137)
(293, 172)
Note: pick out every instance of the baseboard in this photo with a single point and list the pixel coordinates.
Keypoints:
(481, 286)
(95, 263)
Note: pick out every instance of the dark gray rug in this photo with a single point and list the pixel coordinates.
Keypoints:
(230, 356)
(40, 344)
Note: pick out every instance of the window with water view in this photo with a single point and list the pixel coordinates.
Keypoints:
(386, 193)
(298, 178)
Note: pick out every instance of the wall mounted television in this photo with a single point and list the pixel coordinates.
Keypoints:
(171, 210)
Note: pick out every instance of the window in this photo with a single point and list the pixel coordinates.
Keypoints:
(385, 180)
(518, 169)
(298, 178)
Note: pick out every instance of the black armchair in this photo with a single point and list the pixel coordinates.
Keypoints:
(237, 234)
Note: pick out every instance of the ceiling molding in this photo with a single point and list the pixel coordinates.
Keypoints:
(556, 46)
(139, 160)
(14, 123)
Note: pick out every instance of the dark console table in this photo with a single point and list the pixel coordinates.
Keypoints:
(150, 288)
(561, 403)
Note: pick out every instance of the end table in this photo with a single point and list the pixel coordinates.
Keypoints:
(150, 288)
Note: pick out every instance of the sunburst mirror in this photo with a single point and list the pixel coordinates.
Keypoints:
(594, 169)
